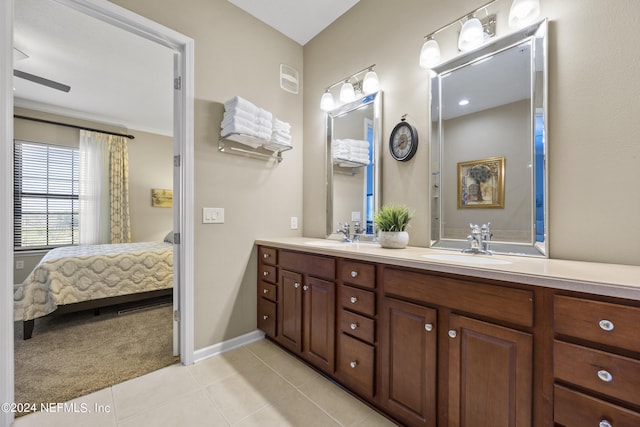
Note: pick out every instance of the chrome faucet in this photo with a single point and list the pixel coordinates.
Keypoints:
(479, 239)
(344, 229)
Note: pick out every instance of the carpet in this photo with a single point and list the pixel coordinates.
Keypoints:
(75, 354)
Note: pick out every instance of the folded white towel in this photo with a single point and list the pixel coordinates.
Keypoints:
(280, 125)
(239, 121)
(280, 140)
(241, 104)
(234, 112)
(262, 113)
(281, 133)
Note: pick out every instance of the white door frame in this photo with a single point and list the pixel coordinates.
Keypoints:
(183, 146)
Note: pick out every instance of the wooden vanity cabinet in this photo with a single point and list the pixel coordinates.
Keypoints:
(306, 307)
(596, 361)
(472, 337)
(267, 290)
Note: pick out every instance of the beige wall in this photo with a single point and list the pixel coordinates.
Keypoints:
(150, 166)
(235, 54)
(594, 154)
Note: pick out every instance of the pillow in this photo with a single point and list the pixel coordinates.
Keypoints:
(169, 237)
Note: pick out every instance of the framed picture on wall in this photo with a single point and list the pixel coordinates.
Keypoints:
(161, 198)
(481, 183)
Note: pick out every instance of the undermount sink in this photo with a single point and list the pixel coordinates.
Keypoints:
(326, 244)
(466, 259)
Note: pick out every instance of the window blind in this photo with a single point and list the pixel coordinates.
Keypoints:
(46, 188)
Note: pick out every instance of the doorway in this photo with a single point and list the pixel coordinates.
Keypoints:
(183, 174)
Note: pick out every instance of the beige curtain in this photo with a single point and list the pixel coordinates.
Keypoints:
(119, 190)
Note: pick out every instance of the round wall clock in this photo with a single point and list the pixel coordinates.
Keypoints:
(403, 142)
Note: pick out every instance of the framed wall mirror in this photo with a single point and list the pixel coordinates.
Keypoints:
(488, 145)
(353, 166)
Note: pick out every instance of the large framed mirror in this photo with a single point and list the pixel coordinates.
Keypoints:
(488, 145)
(353, 166)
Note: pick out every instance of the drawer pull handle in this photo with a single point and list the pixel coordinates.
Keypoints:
(265, 274)
(296, 285)
(605, 376)
(353, 364)
(265, 256)
(605, 423)
(453, 333)
(265, 291)
(354, 274)
(606, 325)
(354, 326)
(428, 327)
(265, 317)
(305, 288)
(353, 300)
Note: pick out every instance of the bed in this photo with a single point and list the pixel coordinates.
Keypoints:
(77, 278)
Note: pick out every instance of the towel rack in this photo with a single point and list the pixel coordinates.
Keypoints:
(250, 146)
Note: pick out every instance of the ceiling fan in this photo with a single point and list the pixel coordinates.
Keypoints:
(18, 55)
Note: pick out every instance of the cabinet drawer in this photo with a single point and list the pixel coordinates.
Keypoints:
(494, 301)
(313, 265)
(268, 273)
(267, 316)
(358, 273)
(356, 364)
(573, 409)
(268, 291)
(357, 300)
(357, 325)
(600, 322)
(268, 255)
(603, 372)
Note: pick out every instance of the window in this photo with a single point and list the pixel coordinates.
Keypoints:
(46, 186)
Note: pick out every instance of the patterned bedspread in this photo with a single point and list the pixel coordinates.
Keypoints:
(82, 273)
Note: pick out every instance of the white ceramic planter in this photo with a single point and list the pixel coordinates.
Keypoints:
(393, 239)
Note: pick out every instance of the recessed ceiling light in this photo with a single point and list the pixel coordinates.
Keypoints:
(463, 102)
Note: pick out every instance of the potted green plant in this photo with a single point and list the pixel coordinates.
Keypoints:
(392, 221)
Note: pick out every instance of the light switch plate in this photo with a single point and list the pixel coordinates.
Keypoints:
(212, 215)
(294, 222)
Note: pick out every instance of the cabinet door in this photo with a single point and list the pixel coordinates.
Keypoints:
(408, 352)
(490, 375)
(319, 323)
(290, 311)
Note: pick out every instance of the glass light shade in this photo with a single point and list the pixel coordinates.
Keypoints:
(347, 93)
(326, 102)
(430, 54)
(471, 35)
(370, 83)
(523, 12)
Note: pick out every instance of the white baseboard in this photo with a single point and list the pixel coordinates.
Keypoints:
(214, 350)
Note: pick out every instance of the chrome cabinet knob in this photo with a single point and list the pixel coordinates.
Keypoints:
(265, 256)
(305, 288)
(266, 273)
(296, 285)
(428, 327)
(354, 274)
(453, 333)
(605, 423)
(354, 326)
(605, 376)
(606, 325)
(265, 317)
(353, 364)
(353, 300)
(265, 291)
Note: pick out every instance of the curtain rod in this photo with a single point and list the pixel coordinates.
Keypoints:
(72, 126)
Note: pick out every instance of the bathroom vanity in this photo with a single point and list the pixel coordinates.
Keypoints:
(433, 337)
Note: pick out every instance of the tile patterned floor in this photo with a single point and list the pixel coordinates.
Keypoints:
(256, 385)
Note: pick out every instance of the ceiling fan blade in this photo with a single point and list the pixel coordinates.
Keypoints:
(41, 80)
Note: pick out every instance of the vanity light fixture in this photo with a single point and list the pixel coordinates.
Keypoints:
(523, 12)
(326, 102)
(473, 33)
(352, 86)
(430, 53)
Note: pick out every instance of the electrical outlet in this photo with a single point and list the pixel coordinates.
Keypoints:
(19, 265)
(294, 222)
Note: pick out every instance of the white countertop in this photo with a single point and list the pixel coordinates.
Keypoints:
(615, 280)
